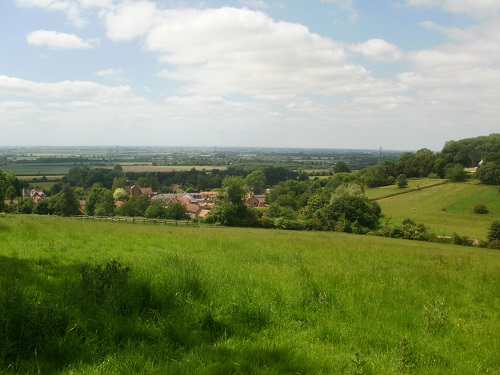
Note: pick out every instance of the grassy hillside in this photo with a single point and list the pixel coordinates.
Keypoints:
(240, 301)
(446, 208)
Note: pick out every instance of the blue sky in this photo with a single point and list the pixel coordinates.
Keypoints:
(402, 74)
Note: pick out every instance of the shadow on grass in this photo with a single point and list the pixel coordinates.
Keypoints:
(90, 312)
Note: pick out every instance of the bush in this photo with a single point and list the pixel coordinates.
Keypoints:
(494, 245)
(494, 231)
(480, 208)
(461, 240)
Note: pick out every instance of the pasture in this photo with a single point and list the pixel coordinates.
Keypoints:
(446, 208)
(95, 297)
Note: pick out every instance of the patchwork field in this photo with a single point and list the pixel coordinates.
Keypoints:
(114, 298)
(446, 208)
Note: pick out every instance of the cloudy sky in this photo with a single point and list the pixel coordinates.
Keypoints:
(397, 74)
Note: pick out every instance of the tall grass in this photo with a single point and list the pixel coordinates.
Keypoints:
(117, 298)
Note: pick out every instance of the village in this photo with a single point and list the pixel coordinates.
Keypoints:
(197, 205)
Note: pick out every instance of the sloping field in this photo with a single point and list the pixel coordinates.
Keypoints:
(240, 301)
(413, 184)
(446, 208)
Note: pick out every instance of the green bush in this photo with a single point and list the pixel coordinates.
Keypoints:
(481, 208)
(494, 231)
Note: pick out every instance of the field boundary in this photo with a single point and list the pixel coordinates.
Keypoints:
(410, 190)
(135, 220)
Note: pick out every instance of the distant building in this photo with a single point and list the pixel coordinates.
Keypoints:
(37, 195)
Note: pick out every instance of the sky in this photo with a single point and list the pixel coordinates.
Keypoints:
(353, 74)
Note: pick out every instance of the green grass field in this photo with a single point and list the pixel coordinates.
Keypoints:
(384, 191)
(446, 208)
(240, 301)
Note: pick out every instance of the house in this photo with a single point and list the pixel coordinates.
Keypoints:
(37, 195)
(137, 191)
(197, 205)
(252, 200)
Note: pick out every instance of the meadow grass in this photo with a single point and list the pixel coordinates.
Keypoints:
(413, 184)
(446, 208)
(115, 298)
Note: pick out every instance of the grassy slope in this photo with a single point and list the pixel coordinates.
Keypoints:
(222, 300)
(384, 191)
(446, 208)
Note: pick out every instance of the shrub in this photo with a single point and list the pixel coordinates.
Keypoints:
(408, 221)
(480, 208)
(494, 231)
(461, 240)
(494, 245)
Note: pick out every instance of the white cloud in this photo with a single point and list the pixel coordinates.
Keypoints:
(257, 4)
(130, 20)
(229, 50)
(479, 8)
(346, 6)
(64, 90)
(379, 50)
(109, 72)
(74, 9)
(58, 40)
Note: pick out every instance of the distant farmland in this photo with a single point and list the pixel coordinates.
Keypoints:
(57, 169)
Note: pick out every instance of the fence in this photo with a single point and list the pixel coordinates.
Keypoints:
(136, 220)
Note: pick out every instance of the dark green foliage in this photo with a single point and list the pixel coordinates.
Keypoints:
(470, 151)
(173, 211)
(129, 208)
(480, 208)
(341, 167)
(42, 208)
(461, 240)
(401, 181)
(25, 206)
(65, 203)
(494, 231)
(28, 326)
(256, 181)
(177, 211)
(489, 173)
(98, 280)
(349, 209)
(408, 231)
(455, 172)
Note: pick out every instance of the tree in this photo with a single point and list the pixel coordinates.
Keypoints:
(10, 193)
(7, 179)
(118, 182)
(494, 231)
(401, 181)
(129, 208)
(256, 181)
(25, 206)
(230, 209)
(489, 173)
(350, 209)
(95, 197)
(233, 189)
(42, 208)
(341, 167)
(105, 205)
(455, 172)
(156, 210)
(143, 202)
(120, 194)
(65, 203)
(177, 211)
